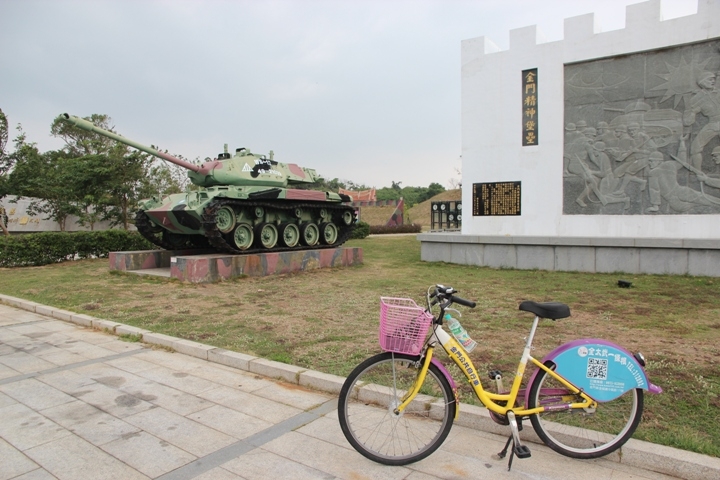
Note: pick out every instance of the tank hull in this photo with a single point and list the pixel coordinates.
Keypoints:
(242, 220)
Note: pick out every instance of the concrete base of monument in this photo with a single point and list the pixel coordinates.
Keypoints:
(194, 267)
(576, 254)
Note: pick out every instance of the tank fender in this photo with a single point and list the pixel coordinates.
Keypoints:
(598, 367)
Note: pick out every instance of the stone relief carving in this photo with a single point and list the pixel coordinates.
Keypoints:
(642, 133)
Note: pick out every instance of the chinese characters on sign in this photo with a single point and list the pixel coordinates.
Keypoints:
(529, 107)
(501, 198)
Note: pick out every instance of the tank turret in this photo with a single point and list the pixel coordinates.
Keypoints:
(244, 204)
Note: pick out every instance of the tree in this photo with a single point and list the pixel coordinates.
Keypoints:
(5, 167)
(109, 176)
(46, 178)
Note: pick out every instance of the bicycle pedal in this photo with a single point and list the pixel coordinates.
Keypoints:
(521, 451)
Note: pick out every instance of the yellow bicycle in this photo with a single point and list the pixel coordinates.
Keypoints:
(584, 400)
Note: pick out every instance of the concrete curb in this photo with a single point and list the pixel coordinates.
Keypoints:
(636, 453)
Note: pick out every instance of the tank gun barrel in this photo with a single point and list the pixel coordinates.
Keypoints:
(85, 125)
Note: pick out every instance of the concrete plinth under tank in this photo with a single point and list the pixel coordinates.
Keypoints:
(191, 266)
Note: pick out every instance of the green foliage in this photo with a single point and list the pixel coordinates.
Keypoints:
(53, 247)
(411, 195)
(384, 229)
(362, 230)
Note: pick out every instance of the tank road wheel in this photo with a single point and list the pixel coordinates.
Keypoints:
(329, 233)
(243, 236)
(225, 219)
(347, 217)
(290, 234)
(267, 235)
(310, 234)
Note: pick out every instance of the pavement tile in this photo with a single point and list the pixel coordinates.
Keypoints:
(293, 395)
(231, 422)
(327, 429)
(90, 423)
(111, 400)
(91, 336)
(13, 462)
(6, 349)
(7, 372)
(250, 404)
(230, 377)
(182, 432)
(5, 400)
(74, 458)
(35, 394)
(330, 458)
(37, 474)
(131, 364)
(178, 379)
(120, 346)
(66, 381)
(173, 360)
(86, 350)
(58, 356)
(148, 454)
(166, 397)
(23, 428)
(25, 363)
(260, 465)
(218, 474)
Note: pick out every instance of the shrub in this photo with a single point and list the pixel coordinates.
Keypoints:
(383, 229)
(34, 249)
(362, 230)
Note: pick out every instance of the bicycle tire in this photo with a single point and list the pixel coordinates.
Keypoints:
(578, 433)
(369, 396)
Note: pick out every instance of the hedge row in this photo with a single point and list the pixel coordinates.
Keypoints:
(362, 230)
(383, 229)
(53, 247)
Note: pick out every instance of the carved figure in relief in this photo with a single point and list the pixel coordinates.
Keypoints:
(707, 103)
(610, 185)
(606, 135)
(579, 153)
(664, 185)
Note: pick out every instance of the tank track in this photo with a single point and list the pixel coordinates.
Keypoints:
(157, 237)
(218, 241)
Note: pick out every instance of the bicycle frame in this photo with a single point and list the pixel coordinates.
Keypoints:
(489, 399)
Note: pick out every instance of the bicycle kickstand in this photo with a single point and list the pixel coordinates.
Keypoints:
(519, 450)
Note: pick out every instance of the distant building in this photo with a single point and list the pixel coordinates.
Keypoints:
(20, 221)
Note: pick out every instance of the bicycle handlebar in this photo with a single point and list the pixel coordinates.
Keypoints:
(442, 292)
(462, 301)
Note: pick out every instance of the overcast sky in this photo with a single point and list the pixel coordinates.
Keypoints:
(363, 90)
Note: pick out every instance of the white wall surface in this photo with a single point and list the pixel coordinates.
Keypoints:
(491, 122)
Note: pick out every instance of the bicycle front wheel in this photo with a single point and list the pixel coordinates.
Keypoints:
(367, 403)
(582, 433)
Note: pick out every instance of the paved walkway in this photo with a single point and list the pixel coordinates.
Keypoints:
(77, 403)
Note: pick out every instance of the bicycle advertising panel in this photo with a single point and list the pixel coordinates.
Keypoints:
(601, 369)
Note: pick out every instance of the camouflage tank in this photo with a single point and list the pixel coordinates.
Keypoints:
(243, 205)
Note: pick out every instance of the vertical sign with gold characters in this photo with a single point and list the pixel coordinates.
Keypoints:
(529, 107)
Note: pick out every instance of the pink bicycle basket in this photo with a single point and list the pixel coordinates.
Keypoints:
(403, 325)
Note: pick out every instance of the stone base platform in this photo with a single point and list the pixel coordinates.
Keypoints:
(194, 267)
(663, 256)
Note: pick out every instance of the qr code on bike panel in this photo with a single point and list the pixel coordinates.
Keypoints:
(597, 368)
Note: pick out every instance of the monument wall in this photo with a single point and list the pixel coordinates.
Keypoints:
(638, 88)
(600, 140)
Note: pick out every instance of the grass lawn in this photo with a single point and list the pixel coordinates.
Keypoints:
(327, 320)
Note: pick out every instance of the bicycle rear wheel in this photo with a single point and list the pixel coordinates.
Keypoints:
(369, 397)
(580, 433)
